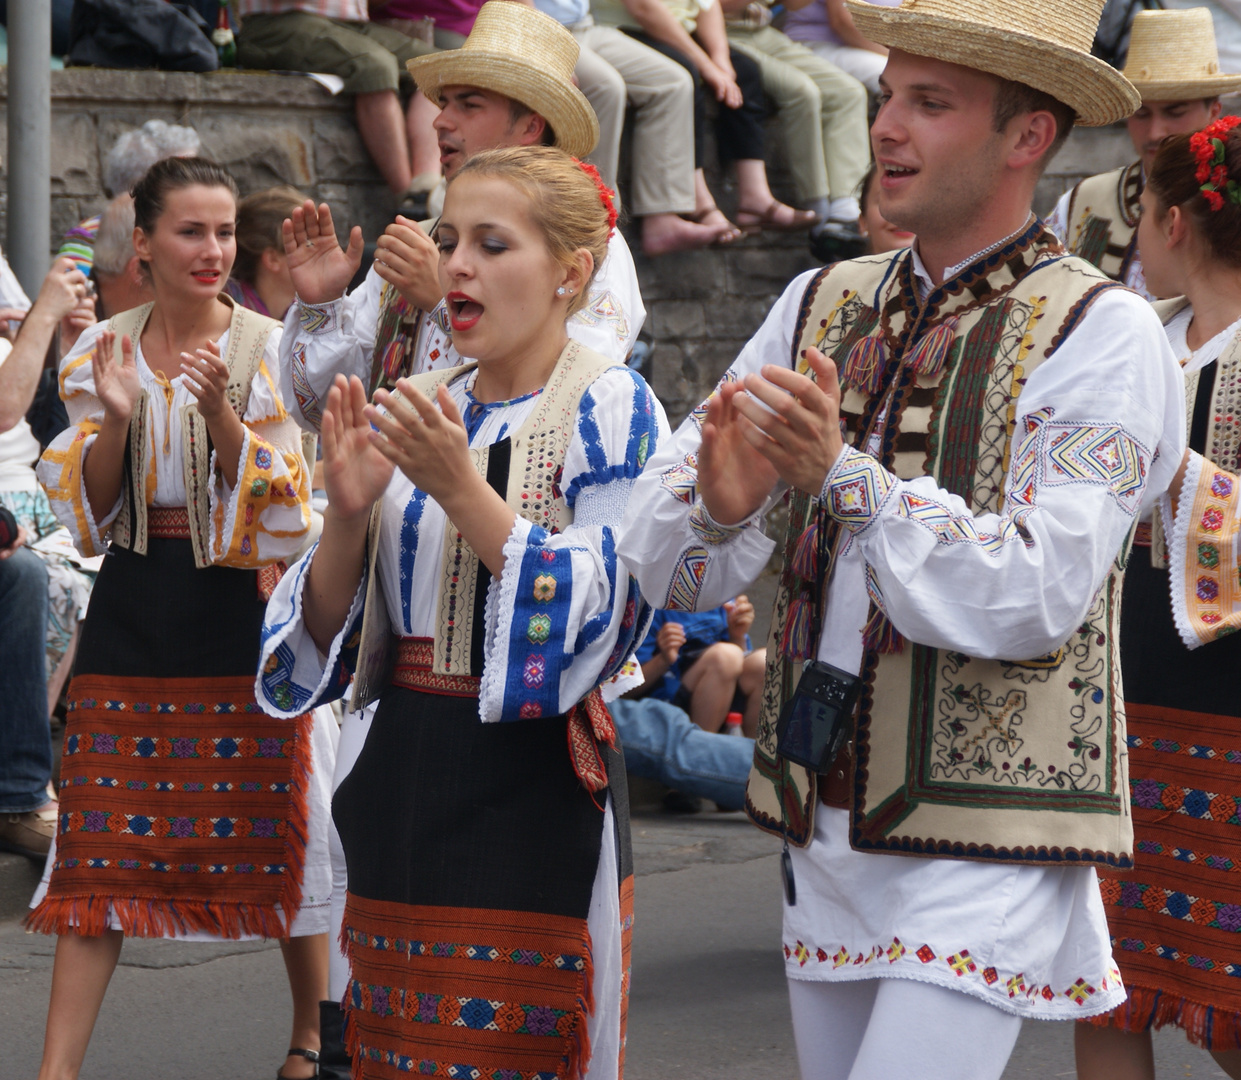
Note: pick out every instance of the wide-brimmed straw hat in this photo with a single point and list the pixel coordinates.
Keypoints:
(1172, 57)
(525, 55)
(1042, 43)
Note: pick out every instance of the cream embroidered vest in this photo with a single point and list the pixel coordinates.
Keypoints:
(1103, 219)
(248, 332)
(534, 456)
(1012, 761)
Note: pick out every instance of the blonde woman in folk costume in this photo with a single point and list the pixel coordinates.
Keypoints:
(477, 525)
(942, 880)
(184, 810)
(1181, 900)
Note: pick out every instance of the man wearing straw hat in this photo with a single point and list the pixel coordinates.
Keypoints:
(968, 431)
(1173, 64)
(511, 84)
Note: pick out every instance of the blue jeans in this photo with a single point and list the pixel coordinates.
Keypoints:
(25, 736)
(662, 743)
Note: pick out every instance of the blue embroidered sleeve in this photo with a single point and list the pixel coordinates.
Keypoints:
(566, 613)
(293, 677)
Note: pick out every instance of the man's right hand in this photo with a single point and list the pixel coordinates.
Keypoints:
(670, 640)
(408, 258)
(320, 269)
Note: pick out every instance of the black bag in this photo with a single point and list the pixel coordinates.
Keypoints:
(1111, 43)
(140, 34)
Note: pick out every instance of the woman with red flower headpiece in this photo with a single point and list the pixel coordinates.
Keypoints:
(1175, 919)
(467, 577)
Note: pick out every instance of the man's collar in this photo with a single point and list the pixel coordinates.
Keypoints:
(923, 277)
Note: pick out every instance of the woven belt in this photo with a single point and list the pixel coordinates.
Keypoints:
(836, 785)
(1142, 534)
(168, 522)
(414, 670)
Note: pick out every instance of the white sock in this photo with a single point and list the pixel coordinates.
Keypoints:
(846, 209)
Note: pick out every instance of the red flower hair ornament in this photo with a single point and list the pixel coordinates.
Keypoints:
(1208, 149)
(606, 195)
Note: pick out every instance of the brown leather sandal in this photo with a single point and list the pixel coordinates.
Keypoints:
(751, 221)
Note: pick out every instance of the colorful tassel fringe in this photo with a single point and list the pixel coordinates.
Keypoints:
(929, 355)
(880, 635)
(1204, 1025)
(805, 562)
(865, 364)
(795, 642)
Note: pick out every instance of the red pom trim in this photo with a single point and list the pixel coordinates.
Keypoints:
(606, 195)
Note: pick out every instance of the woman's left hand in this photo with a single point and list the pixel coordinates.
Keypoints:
(206, 377)
(428, 444)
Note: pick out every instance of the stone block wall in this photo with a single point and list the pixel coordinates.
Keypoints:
(271, 129)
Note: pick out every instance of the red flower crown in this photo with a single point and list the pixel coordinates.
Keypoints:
(606, 195)
(1208, 149)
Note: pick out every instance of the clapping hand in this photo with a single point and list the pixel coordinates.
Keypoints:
(206, 377)
(116, 385)
(355, 471)
(428, 444)
(320, 270)
(409, 259)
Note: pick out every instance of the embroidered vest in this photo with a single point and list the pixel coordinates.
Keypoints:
(1103, 220)
(533, 458)
(248, 332)
(1016, 760)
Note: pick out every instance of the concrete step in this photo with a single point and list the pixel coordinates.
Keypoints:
(18, 878)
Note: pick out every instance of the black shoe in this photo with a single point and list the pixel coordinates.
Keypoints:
(677, 802)
(414, 205)
(334, 1062)
(836, 240)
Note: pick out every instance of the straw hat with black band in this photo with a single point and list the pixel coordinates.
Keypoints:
(525, 55)
(1172, 57)
(1041, 43)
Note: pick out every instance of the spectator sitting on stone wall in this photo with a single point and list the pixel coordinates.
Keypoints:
(702, 661)
(261, 280)
(43, 587)
(127, 162)
(691, 32)
(614, 71)
(336, 37)
(826, 28)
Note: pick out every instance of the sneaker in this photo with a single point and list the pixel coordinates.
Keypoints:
(28, 834)
(836, 240)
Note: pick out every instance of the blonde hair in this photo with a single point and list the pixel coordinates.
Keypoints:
(259, 220)
(565, 204)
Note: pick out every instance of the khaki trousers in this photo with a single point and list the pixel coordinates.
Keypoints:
(822, 113)
(613, 70)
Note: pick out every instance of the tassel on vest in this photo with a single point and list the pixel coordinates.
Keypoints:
(795, 641)
(805, 563)
(929, 355)
(865, 364)
(880, 635)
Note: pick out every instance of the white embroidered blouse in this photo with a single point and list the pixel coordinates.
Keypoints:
(1018, 937)
(592, 604)
(260, 520)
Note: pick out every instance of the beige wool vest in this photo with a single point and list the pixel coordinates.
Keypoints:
(1103, 220)
(1020, 760)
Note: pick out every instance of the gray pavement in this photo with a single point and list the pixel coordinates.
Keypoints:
(708, 1002)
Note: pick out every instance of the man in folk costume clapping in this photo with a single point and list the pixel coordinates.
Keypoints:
(1173, 63)
(969, 429)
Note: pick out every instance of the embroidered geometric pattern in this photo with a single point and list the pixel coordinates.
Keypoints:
(950, 528)
(451, 950)
(699, 413)
(857, 488)
(428, 1067)
(172, 868)
(307, 400)
(1068, 453)
(603, 307)
(165, 707)
(681, 481)
(709, 531)
(481, 1014)
(316, 319)
(1195, 803)
(182, 828)
(1167, 952)
(1173, 903)
(687, 580)
(1197, 750)
(159, 746)
(962, 965)
(1211, 586)
(1210, 861)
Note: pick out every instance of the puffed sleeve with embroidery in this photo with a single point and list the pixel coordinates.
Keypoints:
(1204, 552)
(264, 517)
(613, 314)
(60, 469)
(1099, 432)
(566, 613)
(324, 340)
